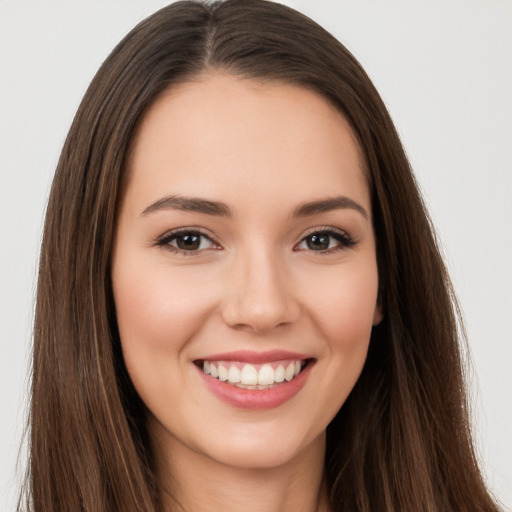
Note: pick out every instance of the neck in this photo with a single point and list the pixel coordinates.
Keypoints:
(201, 484)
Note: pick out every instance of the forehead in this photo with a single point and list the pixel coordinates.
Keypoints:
(221, 132)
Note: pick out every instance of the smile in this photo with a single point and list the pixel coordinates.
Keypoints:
(251, 380)
(254, 376)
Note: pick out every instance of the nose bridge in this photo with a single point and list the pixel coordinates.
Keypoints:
(260, 296)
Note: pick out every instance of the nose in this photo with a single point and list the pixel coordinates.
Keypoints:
(259, 295)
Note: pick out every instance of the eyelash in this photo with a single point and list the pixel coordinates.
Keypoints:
(343, 239)
(165, 241)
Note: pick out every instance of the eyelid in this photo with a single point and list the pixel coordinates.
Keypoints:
(324, 229)
(163, 240)
(345, 240)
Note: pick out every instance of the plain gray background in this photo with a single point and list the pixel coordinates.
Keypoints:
(443, 68)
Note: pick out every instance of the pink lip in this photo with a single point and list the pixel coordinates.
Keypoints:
(257, 399)
(251, 357)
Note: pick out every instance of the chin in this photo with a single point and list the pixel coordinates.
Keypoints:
(250, 449)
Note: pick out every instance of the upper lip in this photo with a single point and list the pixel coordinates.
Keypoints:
(249, 356)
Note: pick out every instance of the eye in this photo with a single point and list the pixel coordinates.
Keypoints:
(325, 240)
(187, 241)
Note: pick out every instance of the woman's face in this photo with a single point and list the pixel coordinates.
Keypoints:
(244, 252)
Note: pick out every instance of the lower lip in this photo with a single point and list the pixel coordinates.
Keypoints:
(253, 398)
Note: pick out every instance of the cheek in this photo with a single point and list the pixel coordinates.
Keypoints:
(344, 306)
(158, 313)
(341, 307)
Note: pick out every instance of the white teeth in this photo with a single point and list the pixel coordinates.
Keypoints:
(245, 386)
(249, 375)
(266, 375)
(233, 374)
(279, 374)
(290, 369)
(223, 373)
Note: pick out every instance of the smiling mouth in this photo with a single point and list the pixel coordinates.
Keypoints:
(254, 376)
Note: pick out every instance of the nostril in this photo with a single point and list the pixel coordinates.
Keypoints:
(259, 319)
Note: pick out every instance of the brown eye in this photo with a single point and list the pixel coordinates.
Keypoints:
(187, 242)
(318, 241)
(325, 241)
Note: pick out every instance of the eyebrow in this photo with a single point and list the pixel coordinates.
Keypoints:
(189, 204)
(327, 205)
(219, 209)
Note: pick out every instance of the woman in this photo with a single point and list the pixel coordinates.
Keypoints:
(241, 302)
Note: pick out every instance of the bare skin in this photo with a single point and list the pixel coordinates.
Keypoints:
(245, 226)
(295, 486)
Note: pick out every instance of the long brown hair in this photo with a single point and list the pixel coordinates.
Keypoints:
(402, 439)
